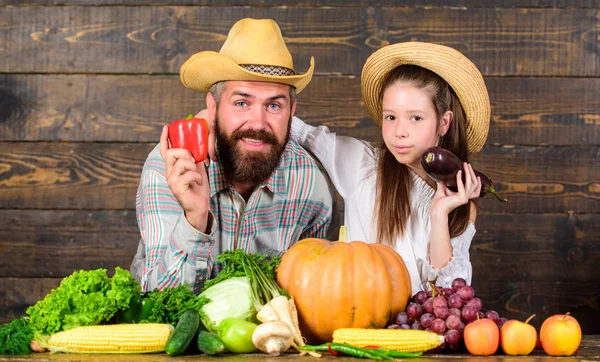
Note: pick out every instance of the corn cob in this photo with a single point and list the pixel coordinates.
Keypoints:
(115, 338)
(402, 340)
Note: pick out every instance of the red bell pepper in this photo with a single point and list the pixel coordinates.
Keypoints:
(192, 134)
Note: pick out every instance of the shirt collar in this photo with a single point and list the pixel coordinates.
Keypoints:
(276, 183)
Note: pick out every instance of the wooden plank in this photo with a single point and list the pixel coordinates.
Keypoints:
(518, 299)
(158, 39)
(93, 108)
(541, 180)
(548, 111)
(106, 175)
(512, 299)
(337, 3)
(536, 247)
(70, 175)
(525, 111)
(557, 247)
(32, 241)
(17, 294)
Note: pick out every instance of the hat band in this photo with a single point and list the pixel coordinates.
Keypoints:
(272, 70)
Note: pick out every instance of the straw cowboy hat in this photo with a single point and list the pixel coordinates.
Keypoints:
(456, 69)
(253, 51)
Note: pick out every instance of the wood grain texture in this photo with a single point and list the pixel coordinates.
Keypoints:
(536, 247)
(541, 180)
(105, 176)
(158, 39)
(338, 3)
(525, 111)
(518, 299)
(32, 241)
(70, 175)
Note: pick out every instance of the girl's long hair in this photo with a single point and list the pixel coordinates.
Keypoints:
(394, 182)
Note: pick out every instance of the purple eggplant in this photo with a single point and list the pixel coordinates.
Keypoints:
(442, 165)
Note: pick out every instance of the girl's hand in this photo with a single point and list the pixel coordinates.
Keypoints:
(445, 200)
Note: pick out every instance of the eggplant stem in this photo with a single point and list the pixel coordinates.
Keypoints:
(492, 191)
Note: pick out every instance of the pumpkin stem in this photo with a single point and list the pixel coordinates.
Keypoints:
(343, 234)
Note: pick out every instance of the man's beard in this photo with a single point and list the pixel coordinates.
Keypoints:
(248, 167)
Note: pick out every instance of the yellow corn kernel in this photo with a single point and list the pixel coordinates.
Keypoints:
(402, 340)
(112, 338)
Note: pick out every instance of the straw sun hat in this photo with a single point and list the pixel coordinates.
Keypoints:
(456, 69)
(253, 51)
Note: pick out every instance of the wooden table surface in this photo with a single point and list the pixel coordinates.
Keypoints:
(589, 350)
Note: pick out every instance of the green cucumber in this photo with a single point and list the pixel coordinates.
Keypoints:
(184, 333)
(210, 343)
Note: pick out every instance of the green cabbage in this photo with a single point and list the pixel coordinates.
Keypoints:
(231, 298)
(83, 298)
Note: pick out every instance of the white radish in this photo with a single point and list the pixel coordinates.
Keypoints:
(280, 309)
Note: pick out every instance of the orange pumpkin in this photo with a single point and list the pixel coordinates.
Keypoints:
(339, 284)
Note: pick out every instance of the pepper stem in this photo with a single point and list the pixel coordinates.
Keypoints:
(189, 116)
(343, 234)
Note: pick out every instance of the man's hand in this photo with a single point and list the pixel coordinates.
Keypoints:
(188, 181)
(212, 153)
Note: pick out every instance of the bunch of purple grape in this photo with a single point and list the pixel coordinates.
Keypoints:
(445, 311)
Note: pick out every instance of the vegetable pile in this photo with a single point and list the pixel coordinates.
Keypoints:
(90, 298)
(240, 311)
(245, 291)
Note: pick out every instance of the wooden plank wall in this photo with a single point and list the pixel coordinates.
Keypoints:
(86, 85)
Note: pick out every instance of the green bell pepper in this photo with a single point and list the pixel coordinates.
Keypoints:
(139, 310)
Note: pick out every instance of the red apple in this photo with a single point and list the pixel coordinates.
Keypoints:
(518, 338)
(560, 335)
(482, 337)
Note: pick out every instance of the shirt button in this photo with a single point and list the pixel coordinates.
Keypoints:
(201, 278)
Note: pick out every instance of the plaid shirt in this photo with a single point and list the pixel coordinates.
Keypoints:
(296, 202)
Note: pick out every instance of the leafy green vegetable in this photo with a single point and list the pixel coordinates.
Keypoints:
(259, 269)
(16, 337)
(83, 298)
(170, 303)
(235, 261)
(229, 298)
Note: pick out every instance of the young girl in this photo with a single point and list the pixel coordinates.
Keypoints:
(422, 95)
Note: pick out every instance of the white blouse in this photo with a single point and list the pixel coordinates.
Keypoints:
(351, 165)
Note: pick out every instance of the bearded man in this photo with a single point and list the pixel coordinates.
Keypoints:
(263, 193)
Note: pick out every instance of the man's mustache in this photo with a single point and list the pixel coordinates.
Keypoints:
(254, 134)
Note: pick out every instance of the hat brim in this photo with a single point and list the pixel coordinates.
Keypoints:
(456, 69)
(204, 69)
